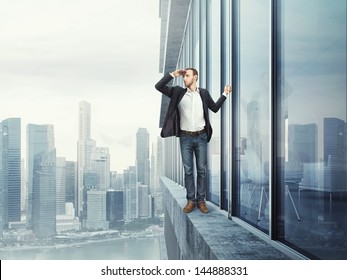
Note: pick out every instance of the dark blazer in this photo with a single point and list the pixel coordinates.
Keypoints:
(171, 125)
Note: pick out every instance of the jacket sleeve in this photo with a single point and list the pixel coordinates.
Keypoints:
(162, 85)
(215, 106)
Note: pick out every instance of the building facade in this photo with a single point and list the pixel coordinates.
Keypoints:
(130, 194)
(85, 145)
(61, 185)
(278, 150)
(143, 201)
(142, 156)
(40, 142)
(157, 170)
(10, 169)
(71, 183)
(115, 208)
(44, 195)
(96, 212)
(100, 165)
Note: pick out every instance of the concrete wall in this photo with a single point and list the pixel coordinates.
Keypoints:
(196, 236)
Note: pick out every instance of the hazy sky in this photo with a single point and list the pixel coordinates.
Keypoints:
(54, 54)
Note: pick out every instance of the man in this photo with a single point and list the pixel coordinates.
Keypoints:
(187, 117)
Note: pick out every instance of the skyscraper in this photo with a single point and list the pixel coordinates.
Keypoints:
(302, 143)
(130, 193)
(96, 212)
(40, 141)
(143, 201)
(334, 141)
(44, 194)
(334, 154)
(113, 180)
(61, 188)
(70, 183)
(100, 164)
(159, 171)
(10, 155)
(142, 156)
(85, 146)
(114, 208)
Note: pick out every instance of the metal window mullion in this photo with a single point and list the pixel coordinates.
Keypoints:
(273, 82)
(235, 109)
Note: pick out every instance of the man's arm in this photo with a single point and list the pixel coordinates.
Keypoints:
(162, 84)
(162, 87)
(215, 106)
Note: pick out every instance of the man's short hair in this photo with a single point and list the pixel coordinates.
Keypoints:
(195, 72)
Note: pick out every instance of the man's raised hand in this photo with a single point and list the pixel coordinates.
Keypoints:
(179, 72)
(227, 89)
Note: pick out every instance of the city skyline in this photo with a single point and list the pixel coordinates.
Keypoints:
(132, 148)
(47, 180)
(86, 54)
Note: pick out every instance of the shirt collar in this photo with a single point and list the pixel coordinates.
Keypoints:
(197, 90)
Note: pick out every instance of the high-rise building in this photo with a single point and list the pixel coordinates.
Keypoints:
(143, 201)
(44, 194)
(96, 212)
(40, 141)
(142, 156)
(114, 208)
(153, 168)
(113, 180)
(85, 145)
(100, 165)
(302, 143)
(10, 178)
(61, 187)
(334, 140)
(70, 183)
(90, 182)
(23, 185)
(334, 154)
(130, 194)
(117, 181)
(159, 171)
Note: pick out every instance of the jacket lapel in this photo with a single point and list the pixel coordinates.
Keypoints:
(202, 95)
(182, 93)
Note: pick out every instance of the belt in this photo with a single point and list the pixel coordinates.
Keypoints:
(193, 133)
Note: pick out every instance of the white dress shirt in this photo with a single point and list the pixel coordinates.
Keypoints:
(191, 111)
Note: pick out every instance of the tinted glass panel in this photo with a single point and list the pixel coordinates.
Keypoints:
(311, 124)
(253, 123)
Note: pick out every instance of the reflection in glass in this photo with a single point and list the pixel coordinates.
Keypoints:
(253, 124)
(311, 122)
(213, 86)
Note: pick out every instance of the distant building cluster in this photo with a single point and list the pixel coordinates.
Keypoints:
(42, 194)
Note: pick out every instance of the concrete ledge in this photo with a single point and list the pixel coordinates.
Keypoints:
(208, 236)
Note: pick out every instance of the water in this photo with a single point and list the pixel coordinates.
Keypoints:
(117, 249)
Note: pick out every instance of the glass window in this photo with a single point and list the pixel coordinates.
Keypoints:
(195, 33)
(253, 122)
(311, 124)
(226, 109)
(203, 43)
(214, 88)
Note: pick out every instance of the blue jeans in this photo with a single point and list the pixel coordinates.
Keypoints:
(190, 146)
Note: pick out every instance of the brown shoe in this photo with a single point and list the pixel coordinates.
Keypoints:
(189, 207)
(202, 207)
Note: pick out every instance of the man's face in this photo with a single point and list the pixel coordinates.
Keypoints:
(189, 78)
